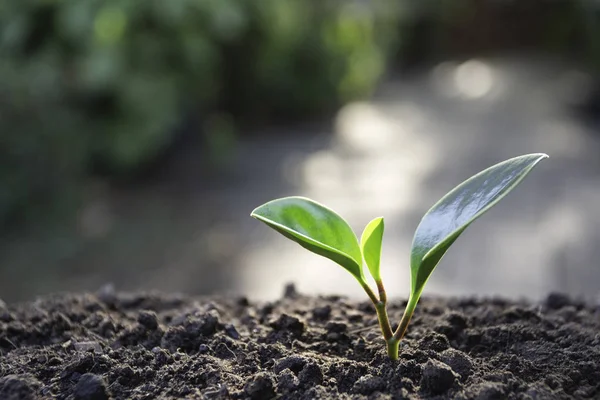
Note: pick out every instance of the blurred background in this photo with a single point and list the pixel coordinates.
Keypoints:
(136, 136)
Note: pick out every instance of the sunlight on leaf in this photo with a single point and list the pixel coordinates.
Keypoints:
(370, 243)
(450, 216)
(316, 228)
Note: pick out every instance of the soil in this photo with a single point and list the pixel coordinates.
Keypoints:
(163, 346)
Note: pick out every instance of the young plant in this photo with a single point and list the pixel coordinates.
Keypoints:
(322, 231)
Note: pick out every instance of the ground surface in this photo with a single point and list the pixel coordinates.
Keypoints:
(150, 345)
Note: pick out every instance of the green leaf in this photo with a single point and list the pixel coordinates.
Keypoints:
(370, 243)
(316, 228)
(451, 215)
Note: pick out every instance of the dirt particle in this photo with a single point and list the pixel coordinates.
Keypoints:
(79, 366)
(127, 376)
(489, 391)
(232, 332)
(224, 351)
(261, 387)
(107, 294)
(437, 378)
(336, 327)
(368, 384)
(318, 392)
(289, 291)
(199, 323)
(19, 387)
(55, 361)
(409, 369)
(539, 392)
(220, 392)
(286, 322)
(567, 312)
(311, 374)
(148, 319)
(407, 385)
(60, 323)
(418, 355)
(242, 301)
(516, 313)
(178, 356)
(287, 381)
(184, 391)
(363, 306)
(434, 341)
(90, 387)
(209, 323)
(88, 346)
(458, 361)
(451, 324)
(354, 317)
(6, 316)
(556, 301)
(203, 349)
(335, 331)
(176, 337)
(322, 313)
(190, 330)
(457, 320)
(107, 328)
(473, 337)
(161, 356)
(266, 310)
(294, 363)
(584, 392)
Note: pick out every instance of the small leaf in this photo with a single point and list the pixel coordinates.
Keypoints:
(316, 228)
(370, 243)
(451, 215)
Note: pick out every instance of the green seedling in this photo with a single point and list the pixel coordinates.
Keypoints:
(322, 231)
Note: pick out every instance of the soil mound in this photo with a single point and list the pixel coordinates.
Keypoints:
(162, 346)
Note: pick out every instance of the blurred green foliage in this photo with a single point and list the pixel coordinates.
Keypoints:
(108, 80)
(108, 83)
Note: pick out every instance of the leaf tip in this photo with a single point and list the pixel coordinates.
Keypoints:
(540, 157)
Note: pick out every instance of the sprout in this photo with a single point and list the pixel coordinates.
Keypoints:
(322, 231)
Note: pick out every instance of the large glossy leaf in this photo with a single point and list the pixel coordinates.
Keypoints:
(370, 243)
(316, 228)
(450, 216)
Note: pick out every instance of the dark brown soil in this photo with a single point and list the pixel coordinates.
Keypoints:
(149, 346)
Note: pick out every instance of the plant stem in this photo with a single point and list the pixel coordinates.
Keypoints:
(384, 321)
(370, 293)
(381, 308)
(382, 293)
(392, 348)
(408, 313)
(391, 342)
